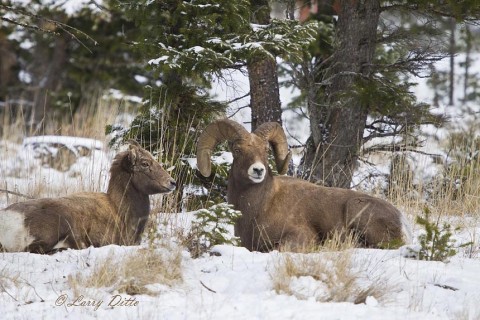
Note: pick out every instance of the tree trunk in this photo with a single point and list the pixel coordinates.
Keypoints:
(451, 88)
(263, 77)
(8, 60)
(264, 92)
(49, 81)
(468, 51)
(337, 117)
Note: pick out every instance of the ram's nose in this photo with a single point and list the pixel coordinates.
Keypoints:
(256, 172)
(259, 171)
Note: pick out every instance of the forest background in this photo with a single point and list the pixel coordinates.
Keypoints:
(380, 96)
(351, 65)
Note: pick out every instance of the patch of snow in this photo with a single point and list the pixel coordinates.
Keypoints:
(70, 142)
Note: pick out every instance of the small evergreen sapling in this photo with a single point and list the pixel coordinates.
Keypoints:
(211, 226)
(436, 244)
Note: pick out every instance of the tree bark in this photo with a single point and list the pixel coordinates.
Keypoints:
(8, 60)
(48, 81)
(337, 116)
(468, 52)
(452, 49)
(263, 77)
(264, 92)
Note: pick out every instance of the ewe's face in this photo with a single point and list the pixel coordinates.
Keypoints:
(250, 159)
(149, 177)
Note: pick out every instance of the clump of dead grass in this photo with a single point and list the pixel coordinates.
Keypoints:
(336, 241)
(326, 276)
(8, 279)
(135, 272)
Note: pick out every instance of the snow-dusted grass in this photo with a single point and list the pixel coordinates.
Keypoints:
(160, 280)
(327, 277)
(138, 272)
(95, 283)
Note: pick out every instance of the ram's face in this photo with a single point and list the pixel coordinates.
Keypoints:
(250, 159)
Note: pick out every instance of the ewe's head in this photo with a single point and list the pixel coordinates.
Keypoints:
(250, 150)
(147, 175)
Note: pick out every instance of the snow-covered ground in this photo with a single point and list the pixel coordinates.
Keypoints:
(233, 283)
(237, 284)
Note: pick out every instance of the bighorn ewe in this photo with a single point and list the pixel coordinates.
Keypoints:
(91, 218)
(281, 211)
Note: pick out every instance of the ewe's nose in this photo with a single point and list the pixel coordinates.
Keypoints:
(173, 184)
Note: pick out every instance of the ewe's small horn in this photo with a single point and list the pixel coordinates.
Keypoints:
(274, 134)
(215, 133)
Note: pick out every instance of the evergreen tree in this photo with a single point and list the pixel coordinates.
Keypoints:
(187, 44)
(361, 79)
(70, 58)
(263, 77)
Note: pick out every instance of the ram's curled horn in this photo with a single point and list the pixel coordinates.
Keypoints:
(274, 134)
(215, 133)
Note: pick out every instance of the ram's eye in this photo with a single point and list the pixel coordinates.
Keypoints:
(236, 151)
(145, 164)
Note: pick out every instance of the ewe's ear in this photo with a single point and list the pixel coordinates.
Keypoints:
(133, 143)
(132, 155)
(130, 159)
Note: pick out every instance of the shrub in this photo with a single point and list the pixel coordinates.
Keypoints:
(436, 244)
(211, 226)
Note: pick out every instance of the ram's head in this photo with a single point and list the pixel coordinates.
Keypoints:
(250, 150)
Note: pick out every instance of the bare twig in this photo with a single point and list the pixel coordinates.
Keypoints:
(238, 110)
(203, 284)
(17, 194)
(238, 98)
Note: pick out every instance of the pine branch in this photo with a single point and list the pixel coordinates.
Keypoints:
(62, 26)
(435, 10)
(399, 148)
(27, 26)
(374, 135)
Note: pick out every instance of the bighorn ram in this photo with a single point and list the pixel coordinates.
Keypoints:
(281, 211)
(91, 218)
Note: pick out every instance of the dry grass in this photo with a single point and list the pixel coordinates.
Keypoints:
(455, 191)
(337, 241)
(327, 277)
(8, 279)
(133, 273)
(88, 122)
